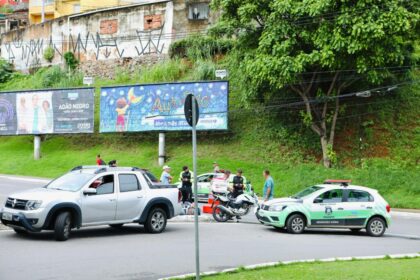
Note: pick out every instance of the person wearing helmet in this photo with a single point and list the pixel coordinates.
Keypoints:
(238, 184)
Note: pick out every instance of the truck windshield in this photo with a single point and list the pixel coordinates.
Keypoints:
(307, 192)
(70, 182)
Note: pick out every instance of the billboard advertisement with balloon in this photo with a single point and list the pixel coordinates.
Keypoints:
(160, 107)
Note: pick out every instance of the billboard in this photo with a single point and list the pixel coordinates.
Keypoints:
(160, 107)
(53, 111)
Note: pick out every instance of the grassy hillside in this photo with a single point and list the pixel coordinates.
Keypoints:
(387, 158)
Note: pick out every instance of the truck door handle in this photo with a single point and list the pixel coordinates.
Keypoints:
(340, 208)
(139, 196)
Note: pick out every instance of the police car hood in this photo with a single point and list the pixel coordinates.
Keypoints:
(283, 200)
(43, 194)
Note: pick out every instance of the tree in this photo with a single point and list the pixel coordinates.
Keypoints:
(318, 49)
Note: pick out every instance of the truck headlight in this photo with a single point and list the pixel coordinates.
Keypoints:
(277, 208)
(33, 204)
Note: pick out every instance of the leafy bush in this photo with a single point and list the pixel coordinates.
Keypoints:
(52, 76)
(71, 60)
(49, 54)
(198, 47)
(204, 70)
(6, 70)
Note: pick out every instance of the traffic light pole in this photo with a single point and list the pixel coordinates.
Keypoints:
(194, 143)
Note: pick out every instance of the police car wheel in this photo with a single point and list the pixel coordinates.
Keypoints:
(376, 227)
(295, 224)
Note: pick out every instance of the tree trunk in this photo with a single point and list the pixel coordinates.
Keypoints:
(325, 158)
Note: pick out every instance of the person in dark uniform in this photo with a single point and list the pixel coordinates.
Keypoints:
(238, 184)
(186, 189)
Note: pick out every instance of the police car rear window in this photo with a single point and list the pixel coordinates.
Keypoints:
(359, 196)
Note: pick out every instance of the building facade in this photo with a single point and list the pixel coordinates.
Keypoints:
(57, 8)
(13, 14)
(111, 33)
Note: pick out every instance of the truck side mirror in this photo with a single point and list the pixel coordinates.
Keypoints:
(89, 191)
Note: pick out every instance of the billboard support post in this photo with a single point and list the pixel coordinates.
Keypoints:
(162, 154)
(37, 147)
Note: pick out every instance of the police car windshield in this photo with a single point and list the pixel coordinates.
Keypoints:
(70, 182)
(307, 192)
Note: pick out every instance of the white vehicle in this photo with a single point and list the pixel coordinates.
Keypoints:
(334, 204)
(203, 185)
(91, 196)
(221, 186)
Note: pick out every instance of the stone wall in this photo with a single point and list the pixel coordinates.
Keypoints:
(109, 68)
(118, 33)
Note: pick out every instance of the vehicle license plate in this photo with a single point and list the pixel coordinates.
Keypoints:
(7, 216)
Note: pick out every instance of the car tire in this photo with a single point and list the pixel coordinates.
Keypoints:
(20, 231)
(156, 221)
(376, 227)
(62, 226)
(116, 226)
(295, 224)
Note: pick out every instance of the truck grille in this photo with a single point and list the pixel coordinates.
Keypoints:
(16, 203)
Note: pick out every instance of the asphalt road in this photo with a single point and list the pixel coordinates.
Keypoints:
(130, 253)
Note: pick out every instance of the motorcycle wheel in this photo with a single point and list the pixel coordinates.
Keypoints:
(247, 208)
(220, 216)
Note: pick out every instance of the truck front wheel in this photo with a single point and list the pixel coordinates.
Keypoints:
(156, 221)
(62, 226)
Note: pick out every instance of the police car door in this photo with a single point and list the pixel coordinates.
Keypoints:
(358, 207)
(327, 209)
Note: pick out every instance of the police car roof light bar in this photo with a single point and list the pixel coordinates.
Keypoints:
(344, 183)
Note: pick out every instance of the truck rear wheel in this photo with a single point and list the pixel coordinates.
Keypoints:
(156, 221)
(62, 226)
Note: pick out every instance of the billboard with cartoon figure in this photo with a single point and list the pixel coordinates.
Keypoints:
(160, 107)
(47, 111)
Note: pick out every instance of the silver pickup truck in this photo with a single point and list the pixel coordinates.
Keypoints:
(90, 196)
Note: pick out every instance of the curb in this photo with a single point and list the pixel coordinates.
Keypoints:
(190, 219)
(271, 264)
(405, 214)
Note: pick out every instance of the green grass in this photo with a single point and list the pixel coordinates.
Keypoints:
(384, 269)
(255, 141)
(60, 154)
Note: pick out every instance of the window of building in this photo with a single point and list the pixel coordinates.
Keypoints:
(198, 11)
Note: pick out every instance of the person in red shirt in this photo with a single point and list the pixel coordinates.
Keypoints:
(99, 161)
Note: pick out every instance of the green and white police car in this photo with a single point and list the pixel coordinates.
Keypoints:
(333, 204)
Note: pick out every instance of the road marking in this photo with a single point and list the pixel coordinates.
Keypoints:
(407, 236)
(271, 264)
(12, 178)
